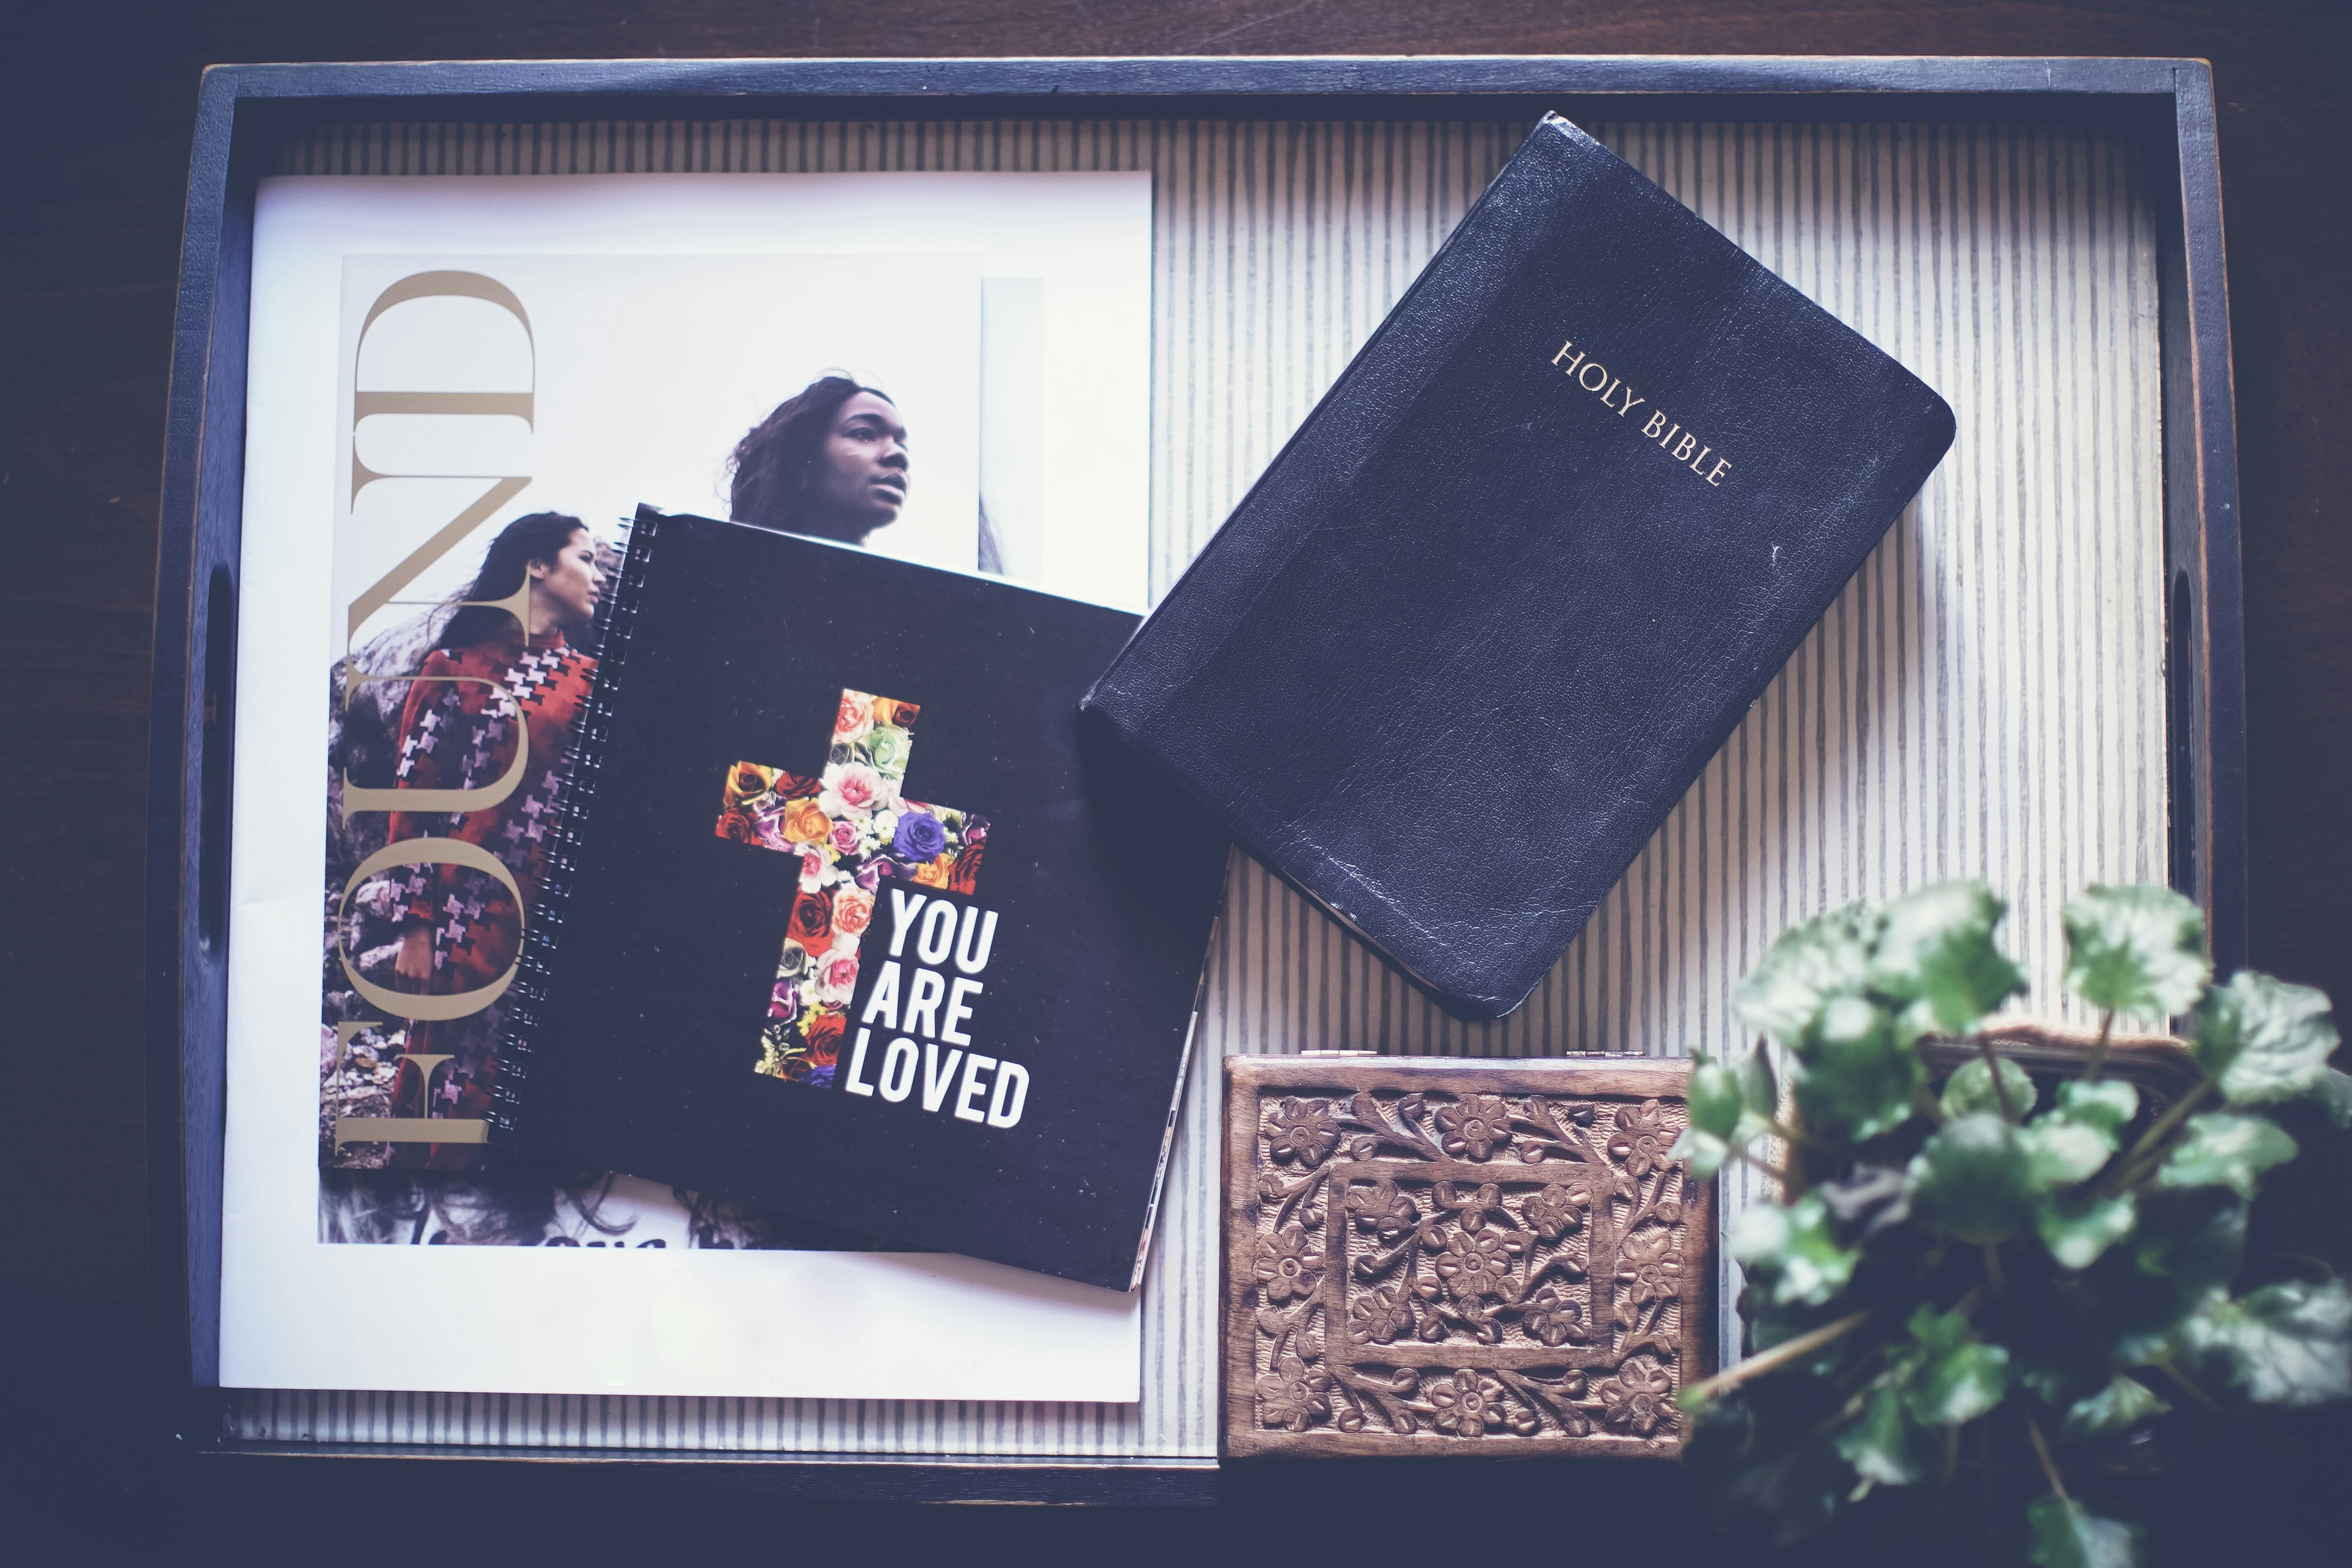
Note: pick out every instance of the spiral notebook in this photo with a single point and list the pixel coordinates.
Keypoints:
(851, 917)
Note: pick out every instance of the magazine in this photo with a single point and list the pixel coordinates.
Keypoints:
(457, 388)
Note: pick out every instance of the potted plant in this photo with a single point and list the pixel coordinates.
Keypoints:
(2023, 1271)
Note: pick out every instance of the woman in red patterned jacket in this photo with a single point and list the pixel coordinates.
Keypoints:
(487, 673)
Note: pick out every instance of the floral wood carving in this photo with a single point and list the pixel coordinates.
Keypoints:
(1428, 1257)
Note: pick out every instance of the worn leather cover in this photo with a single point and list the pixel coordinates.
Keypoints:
(1483, 620)
(1084, 886)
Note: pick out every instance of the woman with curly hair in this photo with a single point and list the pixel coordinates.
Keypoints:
(830, 461)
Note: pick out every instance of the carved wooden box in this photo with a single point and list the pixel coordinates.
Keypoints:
(1461, 1257)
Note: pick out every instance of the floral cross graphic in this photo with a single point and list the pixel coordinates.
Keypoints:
(851, 828)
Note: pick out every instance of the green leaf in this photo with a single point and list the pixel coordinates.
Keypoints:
(2188, 1241)
(2151, 1347)
(1973, 1180)
(2264, 1040)
(1809, 964)
(1970, 1089)
(1959, 1377)
(2334, 1092)
(2136, 949)
(1935, 951)
(1794, 1250)
(1702, 1153)
(2124, 1402)
(1760, 1092)
(2109, 1104)
(1858, 1077)
(2063, 1151)
(2047, 1384)
(2065, 1535)
(1714, 1096)
(1783, 1487)
(1885, 1446)
(2185, 1248)
(2076, 1138)
(2196, 1237)
(2076, 1233)
(2223, 1149)
(1955, 1389)
(2283, 1345)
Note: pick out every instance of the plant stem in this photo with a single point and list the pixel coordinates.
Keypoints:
(2124, 1168)
(1863, 1370)
(1984, 1481)
(2042, 1452)
(2091, 1069)
(1783, 1177)
(1798, 1175)
(2000, 1085)
(2189, 1388)
(1778, 1356)
(1992, 1268)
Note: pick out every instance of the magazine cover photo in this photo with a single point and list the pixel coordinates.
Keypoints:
(827, 395)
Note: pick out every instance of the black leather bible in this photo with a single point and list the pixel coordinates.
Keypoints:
(1469, 638)
(849, 916)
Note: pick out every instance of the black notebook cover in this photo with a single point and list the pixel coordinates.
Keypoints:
(1464, 645)
(853, 917)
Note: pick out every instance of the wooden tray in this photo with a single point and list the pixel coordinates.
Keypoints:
(1348, 140)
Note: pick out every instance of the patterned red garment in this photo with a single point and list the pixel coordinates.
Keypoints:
(457, 733)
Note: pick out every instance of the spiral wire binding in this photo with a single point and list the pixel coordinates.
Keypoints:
(576, 795)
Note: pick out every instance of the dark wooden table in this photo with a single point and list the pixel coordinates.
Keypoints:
(99, 99)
